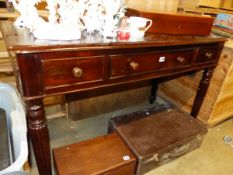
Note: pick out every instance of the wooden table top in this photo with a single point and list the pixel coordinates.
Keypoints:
(19, 40)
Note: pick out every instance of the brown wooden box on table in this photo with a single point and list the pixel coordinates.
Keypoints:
(158, 135)
(99, 156)
(180, 24)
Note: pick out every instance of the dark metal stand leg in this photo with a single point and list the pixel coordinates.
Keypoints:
(38, 133)
(201, 92)
(154, 87)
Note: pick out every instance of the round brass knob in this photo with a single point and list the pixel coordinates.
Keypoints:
(134, 65)
(77, 72)
(180, 59)
(209, 55)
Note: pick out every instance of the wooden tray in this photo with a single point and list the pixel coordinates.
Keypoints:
(175, 23)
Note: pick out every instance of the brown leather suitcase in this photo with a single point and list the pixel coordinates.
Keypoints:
(106, 155)
(158, 135)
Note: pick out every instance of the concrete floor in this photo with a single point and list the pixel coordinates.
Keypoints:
(213, 157)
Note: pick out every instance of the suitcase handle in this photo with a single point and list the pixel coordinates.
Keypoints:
(179, 151)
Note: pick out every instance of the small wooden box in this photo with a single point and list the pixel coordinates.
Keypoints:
(158, 135)
(98, 156)
(175, 23)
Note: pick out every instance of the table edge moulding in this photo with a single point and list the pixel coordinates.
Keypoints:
(46, 68)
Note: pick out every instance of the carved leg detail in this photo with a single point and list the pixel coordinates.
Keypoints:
(201, 92)
(154, 87)
(38, 133)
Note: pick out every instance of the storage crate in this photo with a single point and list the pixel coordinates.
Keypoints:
(4, 146)
(4, 137)
(16, 122)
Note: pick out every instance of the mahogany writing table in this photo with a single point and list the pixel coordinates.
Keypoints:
(46, 68)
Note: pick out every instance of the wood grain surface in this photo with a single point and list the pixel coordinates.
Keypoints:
(98, 156)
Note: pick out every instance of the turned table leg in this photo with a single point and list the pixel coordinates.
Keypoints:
(201, 91)
(38, 133)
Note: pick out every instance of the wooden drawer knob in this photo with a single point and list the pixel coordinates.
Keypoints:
(209, 55)
(77, 72)
(180, 59)
(134, 65)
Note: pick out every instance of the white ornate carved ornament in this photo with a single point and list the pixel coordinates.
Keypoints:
(68, 18)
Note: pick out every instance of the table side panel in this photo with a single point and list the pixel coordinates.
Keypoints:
(30, 73)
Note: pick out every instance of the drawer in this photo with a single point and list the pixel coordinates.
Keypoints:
(68, 71)
(207, 54)
(136, 63)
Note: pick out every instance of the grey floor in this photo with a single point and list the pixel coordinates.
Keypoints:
(213, 157)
